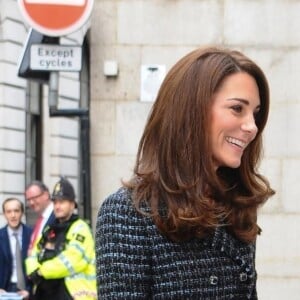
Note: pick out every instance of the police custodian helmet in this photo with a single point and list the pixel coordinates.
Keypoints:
(63, 189)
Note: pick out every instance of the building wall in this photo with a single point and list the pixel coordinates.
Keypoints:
(12, 104)
(139, 32)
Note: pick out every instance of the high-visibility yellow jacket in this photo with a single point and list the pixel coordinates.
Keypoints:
(76, 263)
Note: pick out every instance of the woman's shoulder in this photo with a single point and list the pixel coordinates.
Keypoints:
(120, 200)
(118, 213)
(119, 204)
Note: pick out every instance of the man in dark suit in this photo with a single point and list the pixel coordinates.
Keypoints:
(38, 198)
(15, 235)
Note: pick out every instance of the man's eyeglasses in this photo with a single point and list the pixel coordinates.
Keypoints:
(35, 197)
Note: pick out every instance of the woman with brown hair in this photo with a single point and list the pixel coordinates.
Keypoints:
(185, 225)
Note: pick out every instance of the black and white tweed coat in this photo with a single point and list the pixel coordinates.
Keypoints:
(134, 261)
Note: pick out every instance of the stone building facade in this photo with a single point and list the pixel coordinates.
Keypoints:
(133, 33)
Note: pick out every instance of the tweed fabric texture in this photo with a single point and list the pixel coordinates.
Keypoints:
(134, 261)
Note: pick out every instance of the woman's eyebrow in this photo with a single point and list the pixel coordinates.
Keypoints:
(240, 100)
(245, 101)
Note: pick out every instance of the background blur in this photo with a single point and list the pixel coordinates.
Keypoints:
(127, 47)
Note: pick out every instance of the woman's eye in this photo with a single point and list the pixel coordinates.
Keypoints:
(237, 108)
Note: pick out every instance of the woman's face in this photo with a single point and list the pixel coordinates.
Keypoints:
(233, 112)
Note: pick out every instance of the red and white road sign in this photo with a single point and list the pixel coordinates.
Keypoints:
(56, 17)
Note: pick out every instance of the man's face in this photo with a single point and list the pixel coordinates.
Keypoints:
(13, 213)
(63, 209)
(37, 199)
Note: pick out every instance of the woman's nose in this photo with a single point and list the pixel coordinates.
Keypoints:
(249, 125)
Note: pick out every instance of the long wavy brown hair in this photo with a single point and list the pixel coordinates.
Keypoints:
(174, 175)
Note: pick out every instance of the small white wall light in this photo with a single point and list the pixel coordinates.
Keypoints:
(110, 68)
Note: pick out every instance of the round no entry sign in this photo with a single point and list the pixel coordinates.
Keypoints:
(56, 17)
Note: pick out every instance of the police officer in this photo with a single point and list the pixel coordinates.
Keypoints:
(62, 264)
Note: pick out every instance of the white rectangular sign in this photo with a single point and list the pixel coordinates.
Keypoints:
(151, 79)
(46, 57)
